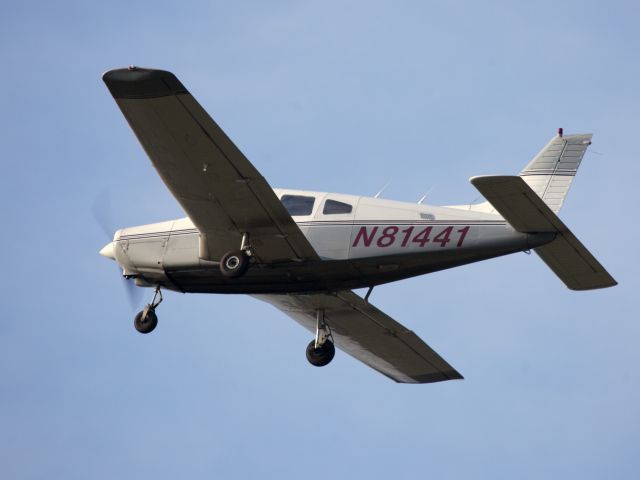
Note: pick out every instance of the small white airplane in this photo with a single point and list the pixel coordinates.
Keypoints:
(304, 252)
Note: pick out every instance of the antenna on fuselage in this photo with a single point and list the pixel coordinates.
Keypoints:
(424, 196)
(382, 189)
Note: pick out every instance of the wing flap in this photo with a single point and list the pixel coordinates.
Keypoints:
(220, 190)
(368, 334)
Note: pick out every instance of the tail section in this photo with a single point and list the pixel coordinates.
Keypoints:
(526, 212)
(551, 172)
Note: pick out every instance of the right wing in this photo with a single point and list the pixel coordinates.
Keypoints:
(368, 334)
(221, 191)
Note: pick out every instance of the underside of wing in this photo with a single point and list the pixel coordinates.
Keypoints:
(221, 191)
(368, 334)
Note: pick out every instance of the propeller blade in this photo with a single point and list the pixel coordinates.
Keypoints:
(134, 293)
(103, 213)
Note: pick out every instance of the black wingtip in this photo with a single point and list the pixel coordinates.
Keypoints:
(136, 82)
(439, 376)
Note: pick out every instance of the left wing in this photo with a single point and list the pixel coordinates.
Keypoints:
(220, 190)
(368, 334)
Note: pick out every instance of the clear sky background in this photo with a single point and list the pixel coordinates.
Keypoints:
(330, 96)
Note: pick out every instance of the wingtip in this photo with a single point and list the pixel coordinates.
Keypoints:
(608, 283)
(138, 83)
(441, 376)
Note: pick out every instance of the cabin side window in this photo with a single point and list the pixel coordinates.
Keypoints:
(298, 204)
(332, 207)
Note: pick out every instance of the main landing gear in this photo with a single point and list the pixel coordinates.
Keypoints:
(147, 320)
(235, 263)
(321, 351)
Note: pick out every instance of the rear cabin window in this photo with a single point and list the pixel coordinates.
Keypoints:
(332, 207)
(298, 204)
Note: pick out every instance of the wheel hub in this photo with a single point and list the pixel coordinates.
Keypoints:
(232, 263)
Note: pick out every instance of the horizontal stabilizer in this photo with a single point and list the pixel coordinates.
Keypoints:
(526, 212)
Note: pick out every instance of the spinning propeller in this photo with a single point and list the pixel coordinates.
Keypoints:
(103, 214)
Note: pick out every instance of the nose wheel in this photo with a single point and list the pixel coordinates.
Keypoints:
(146, 320)
(321, 351)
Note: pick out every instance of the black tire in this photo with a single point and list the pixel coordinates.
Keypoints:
(148, 324)
(234, 264)
(319, 357)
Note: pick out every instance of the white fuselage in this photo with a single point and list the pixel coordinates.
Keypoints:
(377, 241)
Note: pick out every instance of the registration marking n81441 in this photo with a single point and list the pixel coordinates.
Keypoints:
(394, 235)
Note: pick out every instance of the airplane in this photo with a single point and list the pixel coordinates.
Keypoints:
(305, 251)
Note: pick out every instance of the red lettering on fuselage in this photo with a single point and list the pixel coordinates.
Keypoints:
(362, 234)
(389, 236)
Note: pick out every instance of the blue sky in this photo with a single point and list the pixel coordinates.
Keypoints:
(335, 96)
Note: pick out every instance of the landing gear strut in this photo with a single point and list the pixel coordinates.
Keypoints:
(321, 351)
(234, 264)
(146, 320)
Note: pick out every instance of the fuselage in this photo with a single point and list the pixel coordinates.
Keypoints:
(362, 241)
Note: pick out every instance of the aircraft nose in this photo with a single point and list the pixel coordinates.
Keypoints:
(108, 251)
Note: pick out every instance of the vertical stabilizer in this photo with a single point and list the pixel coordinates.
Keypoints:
(551, 172)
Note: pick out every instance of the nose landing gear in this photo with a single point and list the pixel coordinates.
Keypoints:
(147, 320)
(321, 351)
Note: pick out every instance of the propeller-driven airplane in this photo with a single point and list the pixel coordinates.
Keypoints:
(304, 252)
